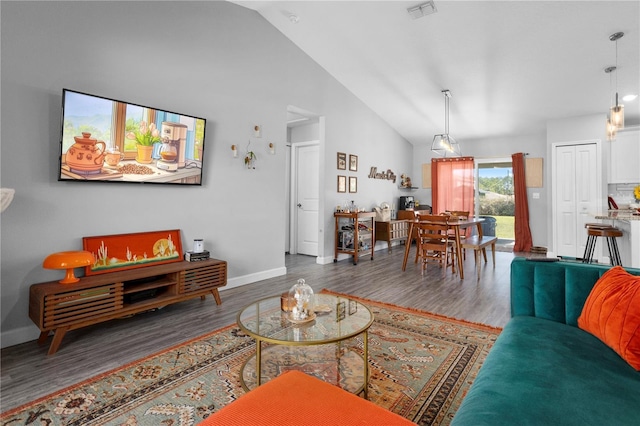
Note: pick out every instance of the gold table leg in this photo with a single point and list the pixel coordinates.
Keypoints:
(366, 363)
(258, 363)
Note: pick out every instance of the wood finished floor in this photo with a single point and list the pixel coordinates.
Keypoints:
(27, 372)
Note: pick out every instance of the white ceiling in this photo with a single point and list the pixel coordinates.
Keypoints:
(510, 65)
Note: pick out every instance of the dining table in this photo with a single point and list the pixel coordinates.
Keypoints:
(454, 224)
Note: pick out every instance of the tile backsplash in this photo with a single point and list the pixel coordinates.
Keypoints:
(622, 193)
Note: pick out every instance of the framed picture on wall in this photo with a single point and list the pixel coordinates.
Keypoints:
(353, 163)
(129, 251)
(342, 161)
(342, 184)
(353, 184)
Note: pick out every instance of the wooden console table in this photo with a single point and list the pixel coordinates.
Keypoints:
(63, 307)
(393, 230)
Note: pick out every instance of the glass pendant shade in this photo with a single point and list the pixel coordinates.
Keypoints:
(617, 115)
(445, 145)
(612, 131)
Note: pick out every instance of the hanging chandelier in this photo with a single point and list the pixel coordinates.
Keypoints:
(616, 112)
(444, 144)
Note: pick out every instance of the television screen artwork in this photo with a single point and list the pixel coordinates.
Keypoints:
(113, 141)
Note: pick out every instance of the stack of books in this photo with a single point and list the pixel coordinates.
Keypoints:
(191, 256)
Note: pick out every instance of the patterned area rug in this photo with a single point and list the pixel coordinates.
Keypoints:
(421, 366)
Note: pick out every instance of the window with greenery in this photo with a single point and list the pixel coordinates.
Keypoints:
(95, 118)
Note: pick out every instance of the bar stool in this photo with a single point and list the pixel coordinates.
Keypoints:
(610, 233)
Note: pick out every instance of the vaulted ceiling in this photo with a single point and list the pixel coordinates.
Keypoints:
(510, 65)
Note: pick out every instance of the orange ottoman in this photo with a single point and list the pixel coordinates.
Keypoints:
(294, 398)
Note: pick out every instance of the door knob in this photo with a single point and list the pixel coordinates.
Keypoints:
(299, 205)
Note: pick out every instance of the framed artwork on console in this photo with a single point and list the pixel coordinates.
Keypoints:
(353, 307)
(130, 251)
(341, 311)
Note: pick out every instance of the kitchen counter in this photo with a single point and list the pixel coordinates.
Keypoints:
(620, 215)
(628, 221)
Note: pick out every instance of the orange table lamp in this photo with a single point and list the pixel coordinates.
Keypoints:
(68, 260)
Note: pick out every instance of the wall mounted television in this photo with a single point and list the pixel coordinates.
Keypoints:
(107, 140)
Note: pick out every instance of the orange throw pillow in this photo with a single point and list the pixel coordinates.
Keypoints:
(612, 313)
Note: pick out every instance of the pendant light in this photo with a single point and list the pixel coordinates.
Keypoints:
(444, 144)
(611, 129)
(616, 115)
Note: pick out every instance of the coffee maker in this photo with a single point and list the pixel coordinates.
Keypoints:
(406, 203)
(175, 134)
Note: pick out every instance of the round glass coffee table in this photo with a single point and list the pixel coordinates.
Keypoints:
(316, 347)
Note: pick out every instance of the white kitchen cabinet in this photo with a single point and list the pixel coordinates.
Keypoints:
(625, 157)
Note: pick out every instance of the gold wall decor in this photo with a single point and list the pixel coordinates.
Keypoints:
(387, 175)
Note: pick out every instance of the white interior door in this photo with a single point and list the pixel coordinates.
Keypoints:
(576, 196)
(586, 192)
(307, 163)
(566, 201)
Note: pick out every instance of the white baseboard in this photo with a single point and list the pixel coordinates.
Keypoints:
(342, 256)
(18, 336)
(252, 278)
(324, 260)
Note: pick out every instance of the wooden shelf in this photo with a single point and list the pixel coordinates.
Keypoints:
(58, 308)
(136, 288)
(355, 234)
(147, 304)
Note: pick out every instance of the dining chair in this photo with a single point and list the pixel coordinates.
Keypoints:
(433, 244)
(458, 215)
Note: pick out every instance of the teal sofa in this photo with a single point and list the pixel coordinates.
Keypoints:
(543, 369)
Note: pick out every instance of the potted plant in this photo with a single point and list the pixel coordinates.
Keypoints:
(250, 159)
(145, 136)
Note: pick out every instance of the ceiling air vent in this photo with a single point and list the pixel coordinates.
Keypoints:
(421, 10)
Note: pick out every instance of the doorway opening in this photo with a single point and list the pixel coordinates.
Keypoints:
(495, 200)
(305, 134)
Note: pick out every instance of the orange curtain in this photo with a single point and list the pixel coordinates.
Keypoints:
(452, 186)
(523, 240)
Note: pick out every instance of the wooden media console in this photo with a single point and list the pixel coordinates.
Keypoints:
(63, 307)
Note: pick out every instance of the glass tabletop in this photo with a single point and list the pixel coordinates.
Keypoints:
(265, 320)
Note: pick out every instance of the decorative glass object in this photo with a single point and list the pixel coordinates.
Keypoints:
(284, 302)
(301, 301)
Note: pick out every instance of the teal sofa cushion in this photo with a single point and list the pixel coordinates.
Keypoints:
(552, 290)
(542, 372)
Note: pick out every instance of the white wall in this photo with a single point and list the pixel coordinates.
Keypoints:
(210, 59)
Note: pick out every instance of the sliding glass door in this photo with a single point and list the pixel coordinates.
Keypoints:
(494, 198)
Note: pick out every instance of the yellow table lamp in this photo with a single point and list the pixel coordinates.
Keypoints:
(68, 260)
